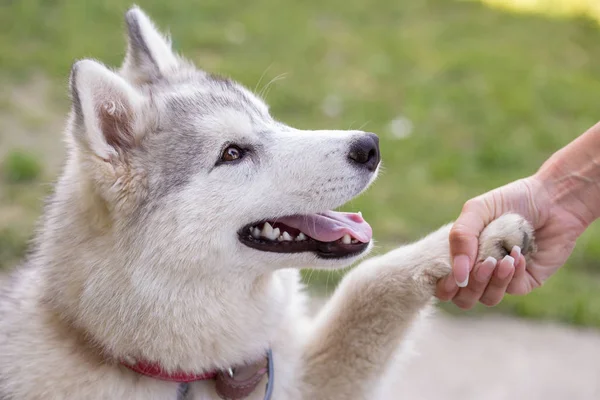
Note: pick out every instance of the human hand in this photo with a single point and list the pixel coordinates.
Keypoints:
(556, 230)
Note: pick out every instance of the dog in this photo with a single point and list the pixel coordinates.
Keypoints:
(166, 264)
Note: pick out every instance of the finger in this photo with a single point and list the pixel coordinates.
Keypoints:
(496, 289)
(446, 288)
(480, 277)
(518, 283)
(516, 254)
(464, 238)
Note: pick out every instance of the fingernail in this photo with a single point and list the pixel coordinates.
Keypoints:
(461, 270)
(516, 251)
(486, 269)
(463, 283)
(503, 273)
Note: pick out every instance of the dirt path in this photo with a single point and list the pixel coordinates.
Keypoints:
(498, 359)
(492, 358)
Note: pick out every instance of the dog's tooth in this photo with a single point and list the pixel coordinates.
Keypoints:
(354, 241)
(346, 239)
(267, 231)
(280, 238)
(286, 236)
(275, 234)
(301, 236)
(359, 213)
(255, 232)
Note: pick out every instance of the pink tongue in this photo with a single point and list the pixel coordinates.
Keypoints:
(330, 226)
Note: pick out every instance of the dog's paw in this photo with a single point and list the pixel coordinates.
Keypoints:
(434, 272)
(501, 235)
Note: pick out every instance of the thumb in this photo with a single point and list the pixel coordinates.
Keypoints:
(464, 239)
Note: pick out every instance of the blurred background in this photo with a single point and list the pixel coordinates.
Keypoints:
(465, 95)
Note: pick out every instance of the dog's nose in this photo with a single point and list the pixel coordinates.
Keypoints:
(365, 151)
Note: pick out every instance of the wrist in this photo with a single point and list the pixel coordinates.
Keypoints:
(571, 181)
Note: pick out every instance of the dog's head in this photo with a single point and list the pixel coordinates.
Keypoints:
(191, 169)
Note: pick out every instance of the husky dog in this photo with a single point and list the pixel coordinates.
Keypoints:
(167, 261)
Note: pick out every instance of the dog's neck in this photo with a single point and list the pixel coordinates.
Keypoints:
(193, 328)
(192, 325)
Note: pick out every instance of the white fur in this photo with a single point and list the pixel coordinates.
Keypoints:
(139, 69)
(138, 255)
(100, 89)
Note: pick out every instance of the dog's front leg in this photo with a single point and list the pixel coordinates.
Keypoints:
(359, 330)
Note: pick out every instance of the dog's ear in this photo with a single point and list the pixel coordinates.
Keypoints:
(149, 53)
(105, 109)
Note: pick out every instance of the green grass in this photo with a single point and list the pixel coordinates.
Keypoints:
(570, 297)
(21, 167)
(12, 247)
(489, 95)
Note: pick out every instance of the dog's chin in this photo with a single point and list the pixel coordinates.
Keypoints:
(329, 236)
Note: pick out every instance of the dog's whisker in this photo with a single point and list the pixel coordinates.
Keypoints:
(261, 78)
(360, 128)
(265, 90)
(310, 274)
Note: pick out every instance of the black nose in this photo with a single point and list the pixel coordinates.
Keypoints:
(364, 151)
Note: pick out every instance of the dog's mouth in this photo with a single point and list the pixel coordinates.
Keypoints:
(329, 235)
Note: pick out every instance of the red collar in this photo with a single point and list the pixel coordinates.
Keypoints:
(236, 384)
(154, 370)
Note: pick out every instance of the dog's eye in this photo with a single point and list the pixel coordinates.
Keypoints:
(232, 153)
